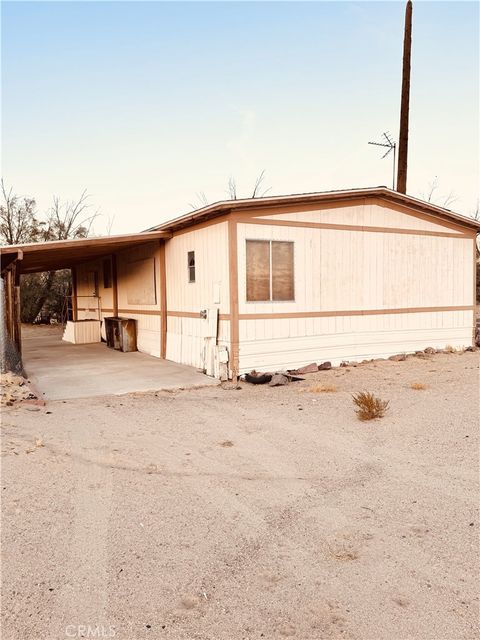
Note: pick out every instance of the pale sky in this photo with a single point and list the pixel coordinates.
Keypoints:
(146, 104)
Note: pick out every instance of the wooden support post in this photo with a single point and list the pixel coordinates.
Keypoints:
(234, 321)
(73, 271)
(114, 285)
(17, 319)
(8, 303)
(163, 302)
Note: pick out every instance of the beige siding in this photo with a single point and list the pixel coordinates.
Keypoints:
(337, 270)
(356, 271)
(290, 343)
(185, 335)
(368, 214)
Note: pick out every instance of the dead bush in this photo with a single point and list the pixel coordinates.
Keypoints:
(369, 406)
(418, 386)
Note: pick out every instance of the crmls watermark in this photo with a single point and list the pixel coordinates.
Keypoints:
(89, 631)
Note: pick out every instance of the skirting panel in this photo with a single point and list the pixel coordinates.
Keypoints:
(373, 338)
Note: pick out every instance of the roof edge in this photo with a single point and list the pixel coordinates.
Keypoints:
(141, 236)
(218, 208)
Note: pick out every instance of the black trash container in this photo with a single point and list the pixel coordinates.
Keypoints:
(121, 333)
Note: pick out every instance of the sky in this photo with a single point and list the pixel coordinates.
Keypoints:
(147, 105)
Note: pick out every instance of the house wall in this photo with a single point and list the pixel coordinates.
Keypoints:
(370, 281)
(185, 300)
(132, 265)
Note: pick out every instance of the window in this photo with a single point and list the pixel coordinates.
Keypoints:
(107, 274)
(270, 274)
(191, 266)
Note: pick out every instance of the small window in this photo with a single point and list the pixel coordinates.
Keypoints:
(107, 274)
(270, 274)
(191, 266)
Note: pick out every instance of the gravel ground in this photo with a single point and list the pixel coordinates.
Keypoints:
(253, 513)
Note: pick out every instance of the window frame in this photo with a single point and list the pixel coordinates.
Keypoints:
(190, 267)
(271, 300)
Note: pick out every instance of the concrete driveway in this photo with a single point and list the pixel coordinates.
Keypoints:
(61, 370)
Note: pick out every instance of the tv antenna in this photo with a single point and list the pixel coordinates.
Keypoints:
(390, 146)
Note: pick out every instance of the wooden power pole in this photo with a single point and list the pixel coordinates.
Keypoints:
(404, 110)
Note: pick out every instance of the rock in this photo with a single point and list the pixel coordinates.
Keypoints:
(278, 380)
(429, 350)
(309, 368)
(325, 366)
(399, 357)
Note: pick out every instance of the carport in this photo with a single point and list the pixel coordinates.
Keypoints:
(61, 370)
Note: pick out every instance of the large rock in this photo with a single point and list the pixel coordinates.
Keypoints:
(278, 380)
(325, 366)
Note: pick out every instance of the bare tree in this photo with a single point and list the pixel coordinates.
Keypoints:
(432, 195)
(19, 224)
(202, 200)
(18, 221)
(69, 219)
(258, 191)
(109, 225)
(232, 188)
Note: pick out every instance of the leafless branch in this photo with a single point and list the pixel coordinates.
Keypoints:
(109, 225)
(202, 201)
(258, 190)
(69, 220)
(232, 188)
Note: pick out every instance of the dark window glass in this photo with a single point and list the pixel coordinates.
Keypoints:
(107, 274)
(191, 266)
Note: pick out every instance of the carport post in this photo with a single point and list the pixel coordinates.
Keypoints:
(73, 271)
(17, 327)
(114, 285)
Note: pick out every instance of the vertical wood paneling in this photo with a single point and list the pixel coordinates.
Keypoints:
(185, 340)
(358, 270)
(367, 214)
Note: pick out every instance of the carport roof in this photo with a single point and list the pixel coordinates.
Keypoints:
(63, 254)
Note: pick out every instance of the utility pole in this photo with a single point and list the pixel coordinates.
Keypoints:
(404, 110)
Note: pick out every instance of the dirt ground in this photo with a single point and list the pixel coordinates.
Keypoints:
(256, 513)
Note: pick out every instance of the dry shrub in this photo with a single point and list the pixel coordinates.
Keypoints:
(323, 388)
(418, 386)
(450, 349)
(369, 406)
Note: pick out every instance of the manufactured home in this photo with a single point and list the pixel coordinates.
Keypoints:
(277, 282)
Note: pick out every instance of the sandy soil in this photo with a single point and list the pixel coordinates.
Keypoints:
(255, 513)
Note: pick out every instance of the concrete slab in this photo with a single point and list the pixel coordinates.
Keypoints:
(61, 370)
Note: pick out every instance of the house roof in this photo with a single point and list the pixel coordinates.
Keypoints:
(63, 254)
(224, 206)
